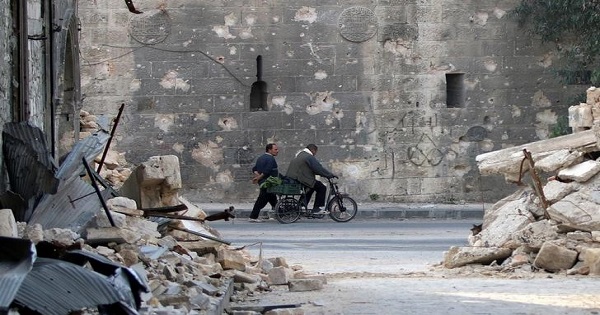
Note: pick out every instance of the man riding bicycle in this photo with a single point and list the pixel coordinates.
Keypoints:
(303, 169)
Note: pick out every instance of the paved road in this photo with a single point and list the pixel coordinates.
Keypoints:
(373, 245)
(386, 267)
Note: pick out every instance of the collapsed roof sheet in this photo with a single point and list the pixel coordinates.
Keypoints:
(16, 260)
(29, 164)
(75, 202)
(53, 286)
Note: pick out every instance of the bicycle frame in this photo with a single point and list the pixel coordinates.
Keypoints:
(339, 206)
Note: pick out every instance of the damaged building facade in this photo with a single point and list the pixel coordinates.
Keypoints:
(40, 79)
(400, 96)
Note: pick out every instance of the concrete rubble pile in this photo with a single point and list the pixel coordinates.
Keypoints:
(187, 267)
(553, 223)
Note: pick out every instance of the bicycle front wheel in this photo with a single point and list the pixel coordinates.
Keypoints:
(287, 210)
(342, 208)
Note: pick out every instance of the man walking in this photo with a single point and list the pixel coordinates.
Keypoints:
(265, 166)
(303, 168)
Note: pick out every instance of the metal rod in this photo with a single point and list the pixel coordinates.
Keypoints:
(200, 234)
(537, 183)
(98, 192)
(172, 216)
(112, 133)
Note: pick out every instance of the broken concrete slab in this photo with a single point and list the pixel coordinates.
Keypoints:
(536, 233)
(508, 161)
(578, 210)
(558, 160)
(461, 256)
(581, 172)
(555, 190)
(504, 219)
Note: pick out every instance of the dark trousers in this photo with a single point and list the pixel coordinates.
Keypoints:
(321, 190)
(264, 197)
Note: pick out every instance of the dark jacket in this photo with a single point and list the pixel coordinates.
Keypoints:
(304, 167)
(266, 164)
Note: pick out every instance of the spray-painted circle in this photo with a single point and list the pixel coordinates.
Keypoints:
(357, 24)
(151, 27)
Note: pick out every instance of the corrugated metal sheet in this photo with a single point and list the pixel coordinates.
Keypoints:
(72, 207)
(16, 260)
(89, 148)
(29, 164)
(75, 203)
(56, 287)
(52, 286)
(129, 282)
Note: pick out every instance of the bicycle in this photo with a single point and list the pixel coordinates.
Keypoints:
(292, 203)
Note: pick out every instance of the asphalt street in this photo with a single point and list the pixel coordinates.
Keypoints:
(392, 266)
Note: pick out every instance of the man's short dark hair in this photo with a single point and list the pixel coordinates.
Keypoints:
(312, 147)
(269, 147)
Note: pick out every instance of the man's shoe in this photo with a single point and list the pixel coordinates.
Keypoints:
(318, 210)
(255, 220)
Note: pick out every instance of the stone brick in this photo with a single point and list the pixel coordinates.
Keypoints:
(280, 275)
(552, 257)
(299, 285)
(8, 225)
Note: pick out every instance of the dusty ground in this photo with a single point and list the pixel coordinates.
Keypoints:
(468, 290)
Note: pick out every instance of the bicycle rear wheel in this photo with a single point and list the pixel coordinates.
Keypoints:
(287, 210)
(342, 208)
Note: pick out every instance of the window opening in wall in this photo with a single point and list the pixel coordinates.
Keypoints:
(455, 90)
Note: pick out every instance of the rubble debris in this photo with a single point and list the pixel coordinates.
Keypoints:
(559, 234)
(176, 265)
(154, 183)
(507, 161)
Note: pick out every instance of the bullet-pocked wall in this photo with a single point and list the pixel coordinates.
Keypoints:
(6, 72)
(400, 96)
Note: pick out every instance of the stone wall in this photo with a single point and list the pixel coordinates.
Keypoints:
(37, 65)
(400, 96)
(6, 42)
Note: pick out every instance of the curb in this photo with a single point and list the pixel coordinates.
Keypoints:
(378, 210)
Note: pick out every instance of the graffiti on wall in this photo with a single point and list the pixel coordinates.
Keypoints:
(426, 152)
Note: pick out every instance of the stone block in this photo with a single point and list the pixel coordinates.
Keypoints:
(559, 159)
(580, 116)
(555, 190)
(60, 236)
(230, 259)
(536, 233)
(580, 172)
(243, 277)
(121, 202)
(101, 220)
(461, 256)
(111, 234)
(280, 275)
(8, 225)
(553, 257)
(301, 285)
(279, 262)
(593, 96)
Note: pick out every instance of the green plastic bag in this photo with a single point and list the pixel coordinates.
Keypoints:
(271, 181)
